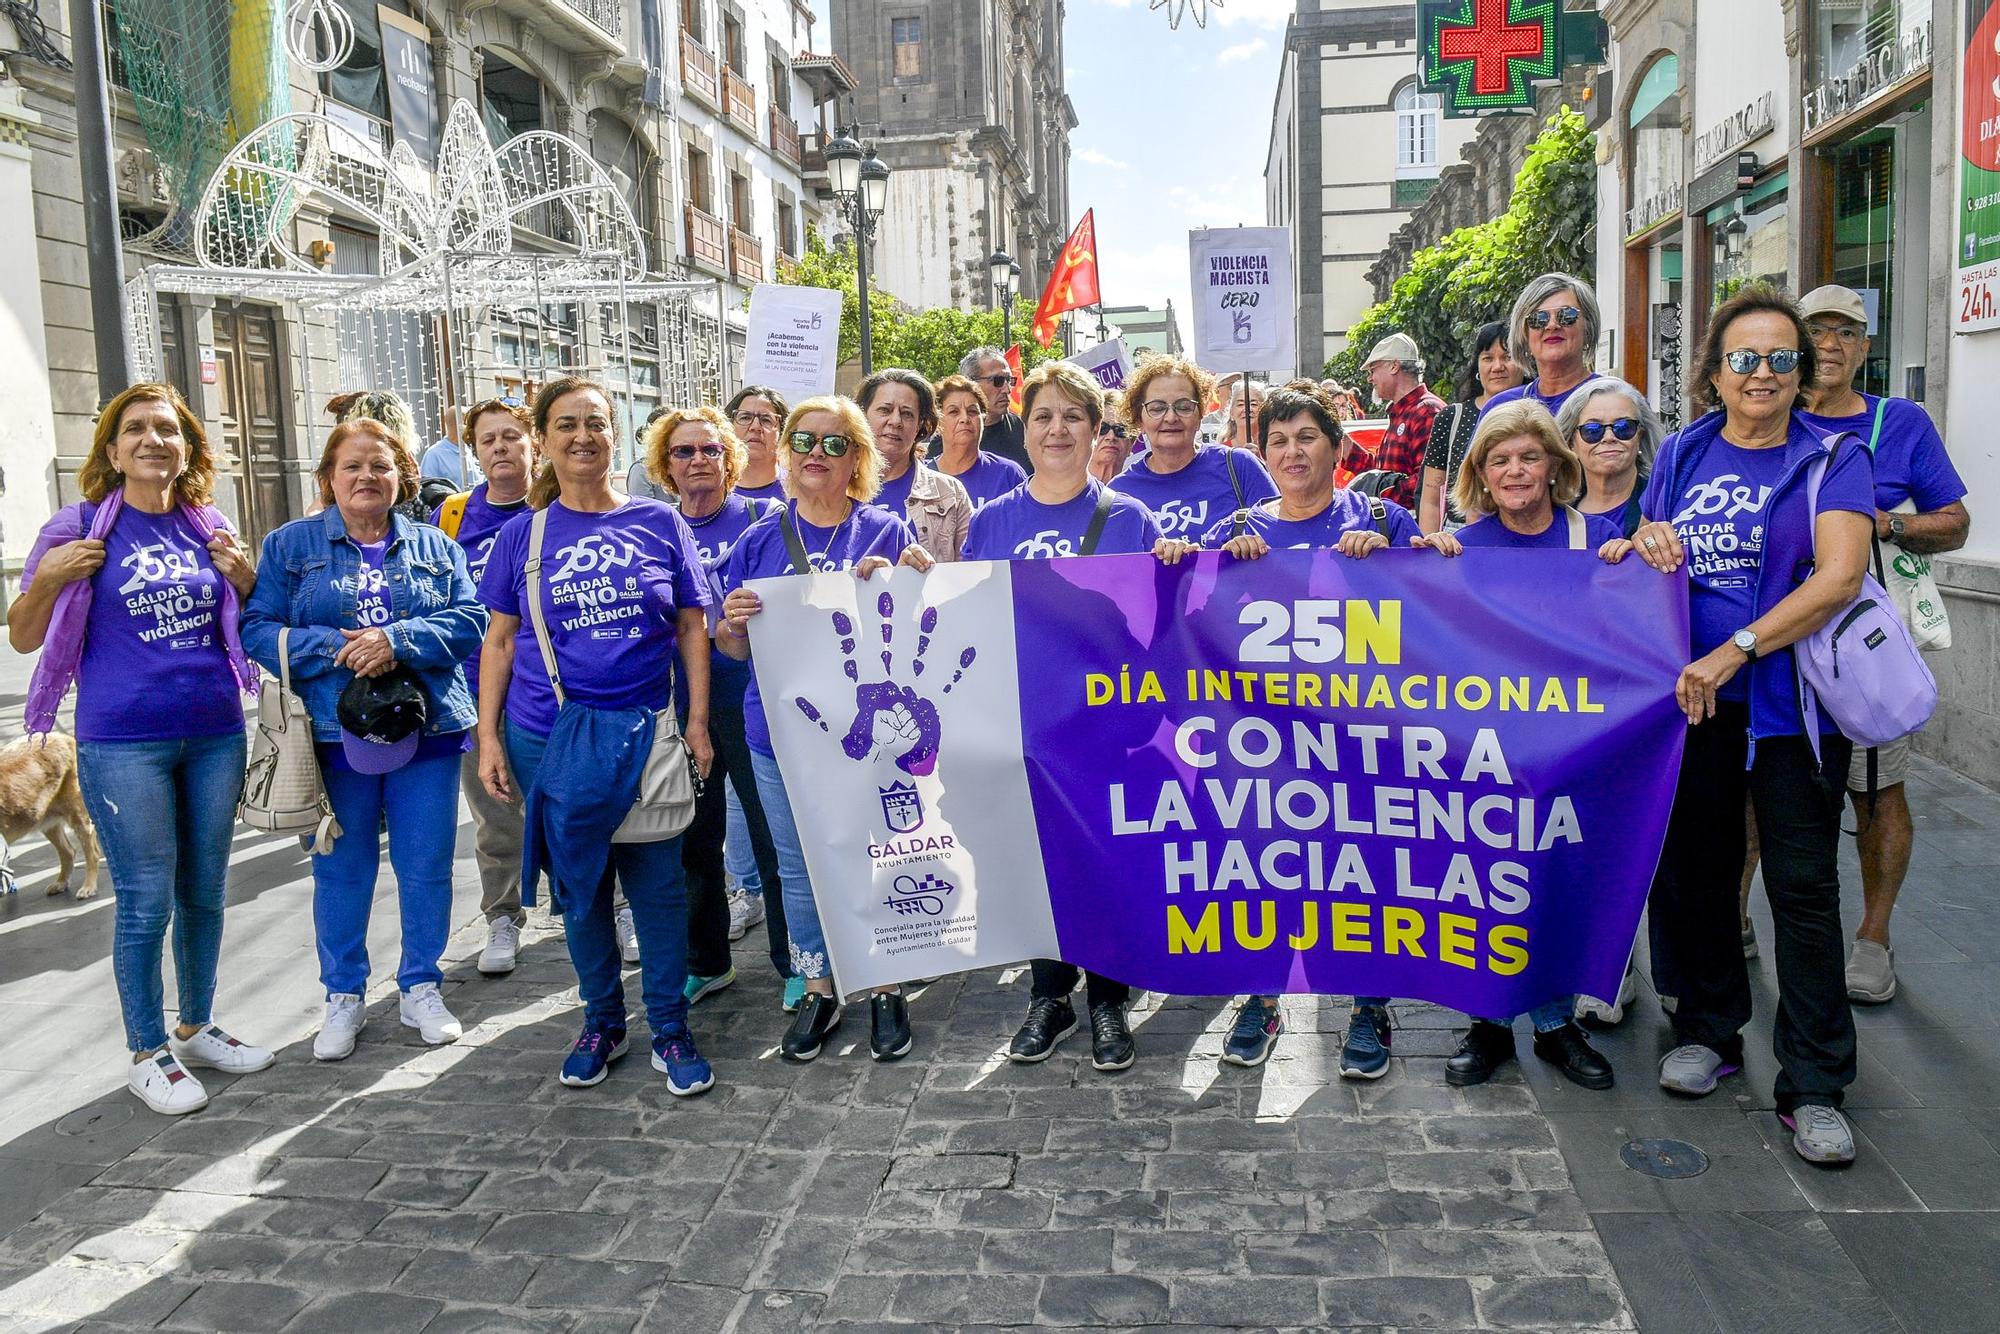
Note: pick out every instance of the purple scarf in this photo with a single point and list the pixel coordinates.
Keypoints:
(62, 648)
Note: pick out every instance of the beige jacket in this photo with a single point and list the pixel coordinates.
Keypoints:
(940, 509)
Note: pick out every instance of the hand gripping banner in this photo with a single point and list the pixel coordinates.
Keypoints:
(1444, 780)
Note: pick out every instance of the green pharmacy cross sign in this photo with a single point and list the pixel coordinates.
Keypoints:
(1488, 55)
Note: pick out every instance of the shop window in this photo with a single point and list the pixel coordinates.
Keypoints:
(906, 43)
(1417, 116)
(1653, 145)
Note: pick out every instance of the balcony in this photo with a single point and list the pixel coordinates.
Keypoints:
(746, 256)
(740, 101)
(785, 138)
(698, 73)
(707, 241)
(608, 15)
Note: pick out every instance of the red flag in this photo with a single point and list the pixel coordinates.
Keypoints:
(1014, 365)
(1073, 280)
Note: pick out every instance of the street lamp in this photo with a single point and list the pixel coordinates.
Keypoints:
(860, 183)
(1005, 273)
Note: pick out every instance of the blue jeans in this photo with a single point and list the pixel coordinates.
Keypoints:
(165, 812)
(421, 801)
(1548, 1016)
(807, 938)
(737, 859)
(656, 891)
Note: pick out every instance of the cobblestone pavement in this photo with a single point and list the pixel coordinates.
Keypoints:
(461, 1188)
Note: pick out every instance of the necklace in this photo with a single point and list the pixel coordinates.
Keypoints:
(705, 519)
(830, 537)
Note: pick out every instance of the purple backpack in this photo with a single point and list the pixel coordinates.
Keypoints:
(1862, 666)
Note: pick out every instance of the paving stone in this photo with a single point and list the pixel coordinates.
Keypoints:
(1122, 1209)
(859, 1297)
(1430, 1302)
(1072, 1251)
(432, 1188)
(917, 1250)
(1106, 1299)
(551, 1234)
(1314, 1255)
(952, 1171)
(844, 1184)
(334, 1178)
(1004, 1208)
(1238, 1211)
(460, 1277)
(1236, 1301)
(1462, 1252)
(376, 1312)
(778, 1312)
(1147, 1253)
(1002, 1299)
(361, 1265)
(1541, 1303)
(330, 1220)
(238, 1306)
(725, 1248)
(617, 1285)
(682, 1308)
(454, 1229)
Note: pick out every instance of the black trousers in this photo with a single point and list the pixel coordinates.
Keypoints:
(701, 855)
(1054, 980)
(1694, 904)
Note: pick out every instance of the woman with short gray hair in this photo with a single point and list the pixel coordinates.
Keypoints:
(1552, 335)
(1615, 431)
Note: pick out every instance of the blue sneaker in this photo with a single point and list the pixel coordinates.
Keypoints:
(795, 991)
(1257, 1027)
(699, 987)
(1365, 1054)
(687, 1072)
(590, 1059)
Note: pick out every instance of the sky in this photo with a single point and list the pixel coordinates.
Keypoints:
(1173, 126)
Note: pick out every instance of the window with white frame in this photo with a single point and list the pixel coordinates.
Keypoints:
(1417, 115)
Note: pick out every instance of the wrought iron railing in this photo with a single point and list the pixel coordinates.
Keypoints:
(606, 14)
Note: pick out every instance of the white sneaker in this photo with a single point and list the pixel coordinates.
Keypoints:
(503, 943)
(214, 1049)
(423, 1009)
(165, 1085)
(628, 936)
(344, 1018)
(745, 911)
(1595, 1012)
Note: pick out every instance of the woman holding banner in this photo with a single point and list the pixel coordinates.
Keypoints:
(1748, 498)
(1063, 511)
(1187, 485)
(1492, 370)
(827, 525)
(902, 412)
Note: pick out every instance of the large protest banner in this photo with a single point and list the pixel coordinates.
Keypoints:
(1440, 779)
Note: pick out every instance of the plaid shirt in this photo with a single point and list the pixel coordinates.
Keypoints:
(1402, 449)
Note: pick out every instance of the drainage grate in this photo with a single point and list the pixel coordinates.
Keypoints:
(94, 1119)
(1669, 1158)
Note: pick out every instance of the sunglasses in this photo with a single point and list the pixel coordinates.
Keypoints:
(1624, 428)
(1567, 316)
(686, 452)
(1744, 362)
(802, 443)
(1180, 407)
(1112, 429)
(1000, 381)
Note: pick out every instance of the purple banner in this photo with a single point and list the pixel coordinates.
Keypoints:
(1444, 780)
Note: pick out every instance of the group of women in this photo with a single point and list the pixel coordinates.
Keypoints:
(562, 621)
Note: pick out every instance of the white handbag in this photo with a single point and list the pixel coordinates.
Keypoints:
(1913, 588)
(283, 791)
(668, 786)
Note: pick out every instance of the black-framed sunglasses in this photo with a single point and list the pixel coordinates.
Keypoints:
(802, 443)
(1115, 429)
(1743, 361)
(1565, 316)
(1624, 428)
(1000, 381)
(686, 452)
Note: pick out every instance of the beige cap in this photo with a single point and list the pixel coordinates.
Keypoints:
(1396, 347)
(1834, 299)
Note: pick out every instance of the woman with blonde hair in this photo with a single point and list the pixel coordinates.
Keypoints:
(827, 525)
(133, 594)
(1188, 486)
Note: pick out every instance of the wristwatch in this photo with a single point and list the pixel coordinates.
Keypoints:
(1747, 641)
(1895, 527)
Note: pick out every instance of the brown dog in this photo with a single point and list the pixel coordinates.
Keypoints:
(39, 794)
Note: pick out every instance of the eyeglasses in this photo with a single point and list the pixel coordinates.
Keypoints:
(802, 443)
(1000, 381)
(1566, 316)
(1593, 432)
(709, 451)
(1112, 429)
(1180, 407)
(749, 419)
(1743, 361)
(1848, 334)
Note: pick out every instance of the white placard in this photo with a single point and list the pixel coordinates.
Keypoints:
(1110, 364)
(793, 340)
(1244, 301)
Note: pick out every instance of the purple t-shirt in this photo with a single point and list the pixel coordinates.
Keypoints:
(1533, 389)
(895, 493)
(714, 535)
(1190, 502)
(370, 587)
(1019, 527)
(613, 586)
(869, 530)
(152, 635)
(771, 490)
(1488, 531)
(1348, 512)
(478, 527)
(1910, 459)
(990, 477)
(1720, 517)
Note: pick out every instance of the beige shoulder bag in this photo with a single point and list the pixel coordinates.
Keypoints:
(283, 791)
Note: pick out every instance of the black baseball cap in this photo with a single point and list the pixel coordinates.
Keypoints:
(382, 720)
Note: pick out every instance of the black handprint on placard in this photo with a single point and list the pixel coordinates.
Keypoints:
(890, 717)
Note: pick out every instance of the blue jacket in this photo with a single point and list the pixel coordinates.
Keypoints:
(304, 580)
(1787, 559)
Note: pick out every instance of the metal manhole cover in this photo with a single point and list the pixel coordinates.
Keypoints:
(1668, 1158)
(94, 1120)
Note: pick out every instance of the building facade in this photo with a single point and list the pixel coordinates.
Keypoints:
(964, 100)
(1146, 328)
(1355, 147)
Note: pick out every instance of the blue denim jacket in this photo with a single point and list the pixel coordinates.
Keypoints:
(304, 580)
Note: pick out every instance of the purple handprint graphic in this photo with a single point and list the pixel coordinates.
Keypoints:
(890, 717)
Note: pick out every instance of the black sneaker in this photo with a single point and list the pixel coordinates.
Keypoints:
(1569, 1051)
(1111, 1044)
(1485, 1049)
(1050, 1020)
(889, 1027)
(819, 1016)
